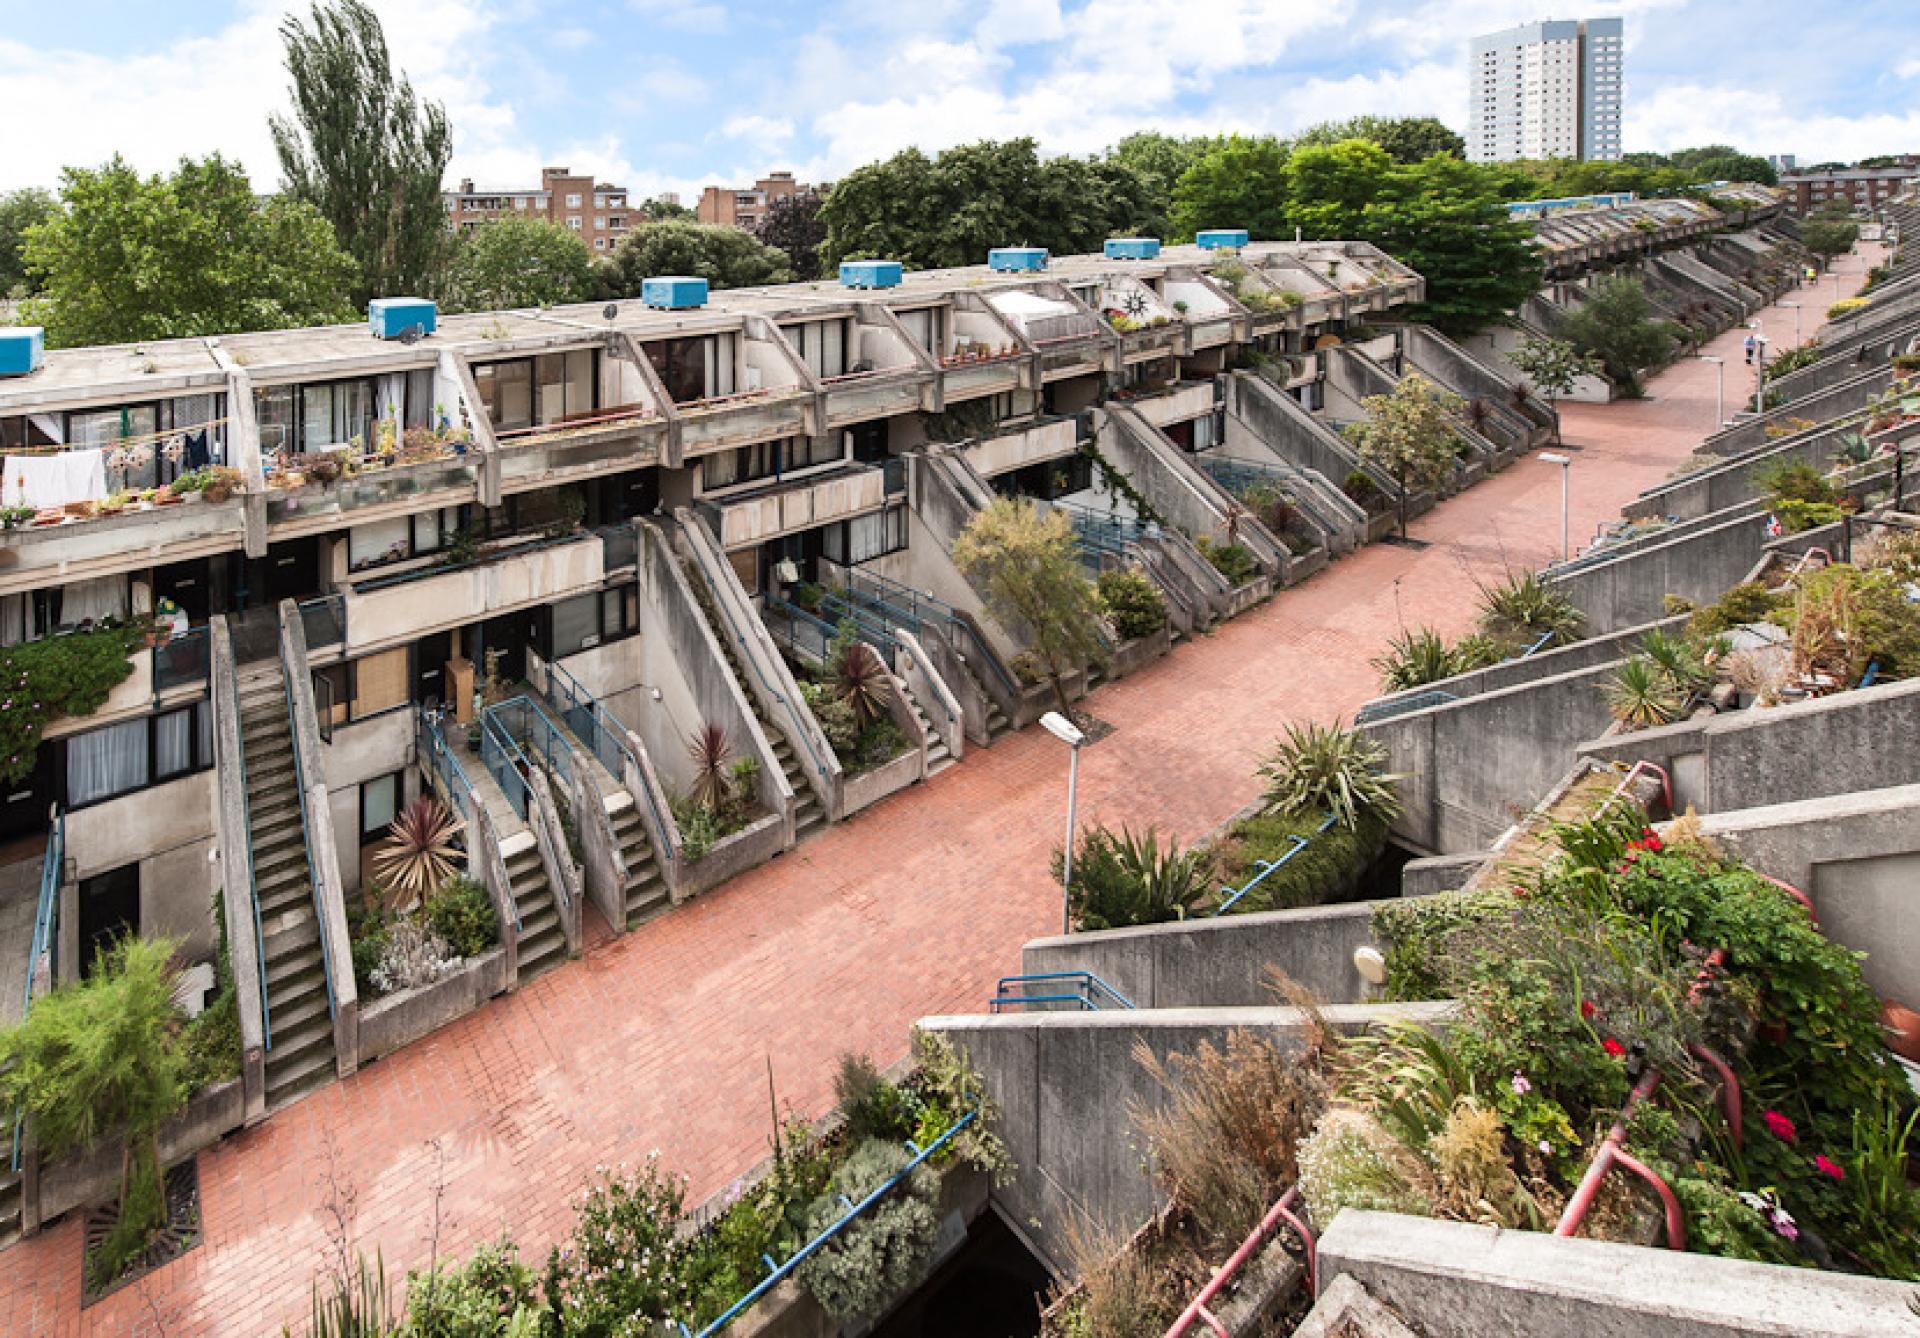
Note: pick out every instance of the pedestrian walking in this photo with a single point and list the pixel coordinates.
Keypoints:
(1751, 346)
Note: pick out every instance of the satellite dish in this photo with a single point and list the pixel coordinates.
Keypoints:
(412, 335)
(610, 311)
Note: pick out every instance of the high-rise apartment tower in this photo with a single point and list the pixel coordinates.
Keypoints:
(1546, 90)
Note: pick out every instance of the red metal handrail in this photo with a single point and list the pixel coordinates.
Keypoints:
(1729, 1090)
(1282, 1211)
(1797, 895)
(1637, 769)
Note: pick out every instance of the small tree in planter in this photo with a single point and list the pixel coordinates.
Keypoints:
(1024, 562)
(1409, 434)
(1555, 366)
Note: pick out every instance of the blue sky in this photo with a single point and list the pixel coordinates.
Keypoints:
(672, 94)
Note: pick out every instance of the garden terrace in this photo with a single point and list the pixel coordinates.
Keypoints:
(756, 515)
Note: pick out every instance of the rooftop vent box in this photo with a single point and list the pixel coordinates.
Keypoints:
(673, 292)
(392, 317)
(1017, 258)
(22, 349)
(1132, 248)
(870, 273)
(1221, 239)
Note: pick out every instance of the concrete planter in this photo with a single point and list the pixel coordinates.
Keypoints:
(1243, 597)
(209, 1116)
(751, 846)
(870, 787)
(393, 1020)
(1305, 564)
(1131, 656)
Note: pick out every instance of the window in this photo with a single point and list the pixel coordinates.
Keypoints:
(694, 369)
(105, 763)
(329, 414)
(821, 345)
(599, 243)
(573, 221)
(617, 222)
(768, 459)
(356, 689)
(379, 806)
(866, 537)
(573, 201)
(591, 620)
(402, 537)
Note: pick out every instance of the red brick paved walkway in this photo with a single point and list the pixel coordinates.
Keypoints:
(660, 1039)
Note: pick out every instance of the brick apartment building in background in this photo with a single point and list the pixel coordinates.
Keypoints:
(746, 206)
(1863, 187)
(599, 212)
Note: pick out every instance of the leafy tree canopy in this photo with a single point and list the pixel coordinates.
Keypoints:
(1024, 563)
(662, 210)
(1239, 182)
(792, 225)
(1441, 217)
(1828, 237)
(519, 262)
(135, 258)
(1410, 434)
(1616, 326)
(725, 257)
(1406, 139)
(20, 210)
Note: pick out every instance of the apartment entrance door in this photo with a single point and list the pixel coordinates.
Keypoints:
(508, 636)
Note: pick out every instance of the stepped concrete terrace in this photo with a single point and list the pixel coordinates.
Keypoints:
(660, 1039)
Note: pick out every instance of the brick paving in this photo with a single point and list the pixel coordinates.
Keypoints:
(661, 1039)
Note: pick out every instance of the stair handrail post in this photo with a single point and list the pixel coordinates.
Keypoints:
(643, 782)
(323, 854)
(925, 681)
(493, 876)
(240, 901)
(563, 875)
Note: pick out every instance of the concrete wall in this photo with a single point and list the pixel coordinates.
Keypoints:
(1473, 766)
(1706, 491)
(1698, 564)
(1461, 1280)
(168, 830)
(1583, 654)
(1858, 856)
(1066, 1084)
(1845, 398)
(1219, 961)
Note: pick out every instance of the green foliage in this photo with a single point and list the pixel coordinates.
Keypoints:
(1025, 563)
(213, 1038)
(724, 256)
(1617, 328)
(1794, 359)
(103, 1056)
(1408, 435)
(1406, 139)
(1237, 182)
(363, 152)
(1875, 619)
(871, 1106)
(792, 226)
(1327, 869)
(1523, 608)
(462, 913)
(625, 1261)
(1640, 696)
(884, 1252)
(1748, 602)
(1132, 602)
(132, 258)
(1329, 769)
(519, 262)
(1236, 562)
(1443, 217)
(1794, 480)
(355, 1304)
(1828, 237)
(1413, 659)
(70, 674)
(20, 210)
(1797, 517)
(1120, 879)
(494, 1295)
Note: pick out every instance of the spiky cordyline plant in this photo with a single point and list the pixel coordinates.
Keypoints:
(860, 680)
(710, 749)
(1524, 607)
(1640, 694)
(1330, 769)
(1414, 659)
(419, 853)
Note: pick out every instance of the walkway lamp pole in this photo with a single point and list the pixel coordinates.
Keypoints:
(1566, 473)
(1794, 307)
(1064, 730)
(1719, 389)
(1760, 374)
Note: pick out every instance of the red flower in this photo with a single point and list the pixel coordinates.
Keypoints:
(1829, 1168)
(1613, 1047)
(1779, 1125)
(1587, 1010)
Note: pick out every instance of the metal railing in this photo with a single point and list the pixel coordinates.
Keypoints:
(604, 736)
(1082, 988)
(324, 620)
(46, 916)
(182, 661)
(504, 761)
(811, 637)
(621, 545)
(872, 623)
(778, 1273)
(909, 608)
(1268, 867)
(306, 848)
(1375, 711)
(439, 758)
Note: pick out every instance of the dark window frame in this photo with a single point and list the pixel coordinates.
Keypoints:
(200, 746)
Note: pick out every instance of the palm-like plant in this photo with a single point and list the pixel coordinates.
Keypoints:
(711, 749)
(1414, 659)
(1640, 695)
(1677, 661)
(1120, 879)
(860, 680)
(1524, 607)
(1329, 769)
(419, 853)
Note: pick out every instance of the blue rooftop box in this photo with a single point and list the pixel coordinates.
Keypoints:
(870, 273)
(22, 349)
(392, 317)
(1221, 239)
(1132, 248)
(1017, 258)
(673, 292)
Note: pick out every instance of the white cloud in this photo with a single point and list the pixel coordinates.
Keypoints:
(686, 16)
(768, 133)
(1761, 121)
(572, 39)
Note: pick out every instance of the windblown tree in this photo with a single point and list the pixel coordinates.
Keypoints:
(792, 225)
(520, 262)
(1616, 326)
(364, 151)
(1409, 435)
(1024, 563)
(1554, 366)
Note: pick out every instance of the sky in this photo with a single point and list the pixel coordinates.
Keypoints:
(660, 95)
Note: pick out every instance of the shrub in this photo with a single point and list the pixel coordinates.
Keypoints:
(1846, 306)
(493, 1296)
(1794, 479)
(1329, 769)
(1132, 602)
(1349, 1161)
(65, 675)
(462, 913)
(418, 854)
(885, 1251)
(625, 1260)
(950, 1088)
(413, 954)
(871, 1106)
(1640, 696)
(1845, 618)
(1748, 602)
(1328, 868)
(1524, 608)
(1413, 659)
(1796, 517)
(1236, 562)
(1121, 880)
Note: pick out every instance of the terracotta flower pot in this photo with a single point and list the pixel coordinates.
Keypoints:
(1903, 1030)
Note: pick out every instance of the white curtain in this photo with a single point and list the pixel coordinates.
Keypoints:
(106, 762)
(91, 601)
(173, 743)
(13, 619)
(391, 402)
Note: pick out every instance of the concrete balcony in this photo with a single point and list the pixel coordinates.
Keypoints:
(1153, 341)
(606, 441)
(141, 534)
(447, 479)
(1179, 405)
(736, 420)
(1042, 441)
(858, 397)
(384, 610)
(966, 377)
(767, 513)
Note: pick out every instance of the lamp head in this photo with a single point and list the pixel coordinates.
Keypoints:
(1062, 729)
(1555, 458)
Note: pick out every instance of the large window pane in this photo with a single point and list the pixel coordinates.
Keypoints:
(173, 744)
(550, 380)
(106, 762)
(380, 682)
(381, 541)
(379, 805)
(582, 386)
(274, 409)
(576, 625)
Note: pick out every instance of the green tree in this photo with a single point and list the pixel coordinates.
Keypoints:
(1554, 365)
(1617, 328)
(364, 151)
(20, 210)
(519, 262)
(1160, 160)
(662, 210)
(1442, 217)
(1406, 139)
(725, 257)
(1410, 435)
(1331, 187)
(195, 253)
(792, 225)
(1024, 562)
(1238, 183)
(100, 1057)
(1828, 237)
(1734, 167)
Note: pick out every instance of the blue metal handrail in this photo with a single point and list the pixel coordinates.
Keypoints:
(872, 628)
(599, 724)
(1545, 637)
(1267, 867)
(440, 758)
(911, 609)
(778, 1274)
(46, 914)
(793, 713)
(306, 844)
(1385, 710)
(1091, 987)
(253, 890)
(503, 759)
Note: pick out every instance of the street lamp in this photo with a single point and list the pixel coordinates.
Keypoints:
(1064, 730)
(1760, 375)
(1719, 389)
(1794, 307)
(1565, 462)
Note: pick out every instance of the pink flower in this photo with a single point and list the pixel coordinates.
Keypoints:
(1613, 1047)
(1783, 1223)
(1520, 1084)
(1779, 1125)
(1829, 1167)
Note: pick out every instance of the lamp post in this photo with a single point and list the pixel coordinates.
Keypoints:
(1064, 730)
(1760, 374)
(1794, 307)
(1566, 473)
(1719, 389)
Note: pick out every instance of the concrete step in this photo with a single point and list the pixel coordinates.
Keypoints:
(645, 899)
(291, 1074)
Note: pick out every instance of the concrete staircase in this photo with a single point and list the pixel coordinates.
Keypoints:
(939, 756)
(646, 890)
(9, 1189)
(543, 944)
(300, 1055)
